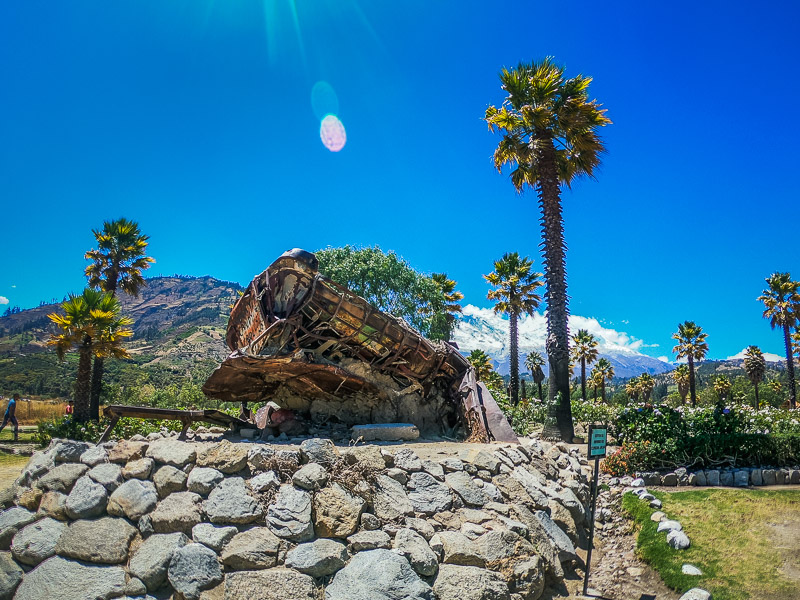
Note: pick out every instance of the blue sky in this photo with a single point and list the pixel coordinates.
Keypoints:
(196, 119)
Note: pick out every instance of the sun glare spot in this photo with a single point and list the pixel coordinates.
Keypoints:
(332, 133)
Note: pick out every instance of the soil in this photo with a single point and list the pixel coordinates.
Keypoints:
(786, 537)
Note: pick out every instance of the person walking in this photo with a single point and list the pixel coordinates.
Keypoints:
(11, 415)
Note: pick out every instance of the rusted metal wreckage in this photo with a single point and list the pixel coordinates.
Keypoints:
(311, 345)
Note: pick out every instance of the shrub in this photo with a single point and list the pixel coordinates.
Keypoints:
(67, 427)
(631, 457)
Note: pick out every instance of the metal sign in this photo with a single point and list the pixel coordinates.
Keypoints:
(598, 439)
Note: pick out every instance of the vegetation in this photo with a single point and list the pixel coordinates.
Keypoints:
(722, 386)
(782, 307)
(755, 366)
(681, 377)
(514, 293)
(550, 138)
(603, 371)
(534, 362)
(584, 350)
(482, 364)
(692, 346)
(444, 322)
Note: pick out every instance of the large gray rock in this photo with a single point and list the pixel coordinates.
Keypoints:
(193, 569)
(419, 554)
(696, 594)
(458, 549)
(70, 451)
(40, 463)
(86, 500)
(289, 516)
(368, 540)
(336, 511)
(470, 491)
(177, 512)
(272, 584)
(109, 475)
(62, 478)
(10, 576)
(318, 451)
(769, 477)
(456, 582)
(127, 451)
(755, 477)
(678, 540)
(103, 540)
(406, 459)
(94, 456)
(366, 457)
(390, 501)
(133, 499)
(37, 542)
(428, 495)
(224, 457)
(151, 560)
(172, 452)
(213, 536)
(138, 469)
(712, 477)
(203, 480)
(669, 525)
(533, 484)
(230, 503)
(500, 544)
(726, 478)
(67, 579)
(11, 521)
(311, 476)
(378, 575)
(264, 482)
(256, 548)
(168, 480)
(319, 558)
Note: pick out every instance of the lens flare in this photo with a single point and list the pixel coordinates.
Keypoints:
(324, 100)
(332, 133)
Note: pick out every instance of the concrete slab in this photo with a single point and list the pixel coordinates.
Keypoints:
(385, 432)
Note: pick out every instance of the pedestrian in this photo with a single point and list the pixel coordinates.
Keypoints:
(11, 415)
(70, 408)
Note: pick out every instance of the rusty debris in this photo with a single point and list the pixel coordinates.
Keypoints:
(311, 345)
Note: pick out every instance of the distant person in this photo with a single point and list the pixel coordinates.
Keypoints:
(11, 415)
(70, 408)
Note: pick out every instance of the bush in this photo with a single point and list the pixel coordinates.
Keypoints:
(631, 457)
(67, 427)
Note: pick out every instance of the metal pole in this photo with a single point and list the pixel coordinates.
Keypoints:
(591, 525)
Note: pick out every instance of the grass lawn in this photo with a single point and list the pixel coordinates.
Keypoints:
(746, 542)
(25, 435)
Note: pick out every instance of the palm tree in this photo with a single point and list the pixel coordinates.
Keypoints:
(681, 377)
(775, 386)
(118, 262)
(722, 386)
(596, 380)
(692, 346)
(482, 364)
(515, 294)
(534, 362)
(550, 139)
(755, 366)
(633, 389)
(782, 307)
(91, 323)
(796, 345)
(584, 349)
(450, 305)
(606, 369)
(646, 385)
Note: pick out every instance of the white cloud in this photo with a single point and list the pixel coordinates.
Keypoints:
(768, 356)
(664, 359)
(3, 300)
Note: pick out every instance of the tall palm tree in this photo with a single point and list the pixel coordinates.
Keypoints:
(782, 307)
(482, 364)
(755, 366)
(681, 377)
(515, 285)
(646, 385)
(550, 139)
(606, 369)
(584, 349)
(722, 386)
(692, 346)
(534, 362)
(91, 323)
(450, 306)
(633, 389)
(117, 263)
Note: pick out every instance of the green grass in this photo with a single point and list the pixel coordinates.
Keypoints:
(732, 542)
(7, 435)
(13, 460)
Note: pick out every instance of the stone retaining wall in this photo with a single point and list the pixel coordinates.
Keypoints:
(160, 518)
(730, 477)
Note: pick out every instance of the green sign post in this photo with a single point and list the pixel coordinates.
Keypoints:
(598, 440)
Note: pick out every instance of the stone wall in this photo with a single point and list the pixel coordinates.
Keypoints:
(726, 477)
(161, 518)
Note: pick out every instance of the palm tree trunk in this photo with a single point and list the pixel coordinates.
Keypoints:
(790, 367)
(691, 381)
(540, 391)
(554, 259)
(514, 383)
(603, 390)
(97, 386)
(755, 383)
(583, 378)
(83, 383)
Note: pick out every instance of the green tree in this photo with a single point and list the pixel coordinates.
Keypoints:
(482, 364)
(681, 377)
(92, 324)
(756, 367)
(550, 138)
(117, 263)
(722, 386)
(782, 307)
(584, 349)
(534, 362)
(605, 370)
(646, 385)
(692, 346)
(633, 389)
(444, 321)
(515, 285)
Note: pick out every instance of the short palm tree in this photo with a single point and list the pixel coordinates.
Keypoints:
(796, 345)
(117, 263)
(756, 367)
(482, 364)
(605, 368)
(722, 386)
(584, 349)
(515, 293)
(633, 389)
(450, 303)
(646, 386)
(692, 346)
(596, 380)
(782, 307)
(92, 324)
(534, 362)
(775, 386)
(550, 138)
(681, 377)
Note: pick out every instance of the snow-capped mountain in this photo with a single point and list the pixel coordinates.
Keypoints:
(768, 357)
(481, 328)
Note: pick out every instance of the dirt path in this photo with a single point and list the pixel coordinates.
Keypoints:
(10, 470)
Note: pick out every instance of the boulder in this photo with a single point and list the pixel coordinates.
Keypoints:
(172, 452)
(712, 477)
(755, 477)
(319, 558)
(384, 432)
(203, 480)
(406, 459)
(104, 540)
(140, 468)
(368, 540)
(94, 456)
(60, 578)
(133, 499)
(482, 460)
(53, 505)
(70, 451)
(37, 542)
(428, 495)
(230, 503)
(10, 576)
(459, 550)
(741, 478)
(434, 469)
(378, 575)
(726, 478)
(86, 500)
(256, 548)
(670, 479)
(669, 525)
(688, 569)
(127, 451)
(311, 476)
(11, 521)
(62, 478)
(168, 480)
(289, 516)
(701, 478)
(264, 482)
(318, 451)
(271, 584)
(467, 488)
(177, 512)
(390, 501)
(449, 465)
(678, 539)
(527, 578)
(696, 594)
(456, 582)
(336, 511)
(366, 457)
(39, 464)
(213, 536)
(29, 498)
(500, 544)
(151, 560)
(421, 526)
(769, 477)
(192, 569)
(225, 457)
(419, 554)
(109, 475)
